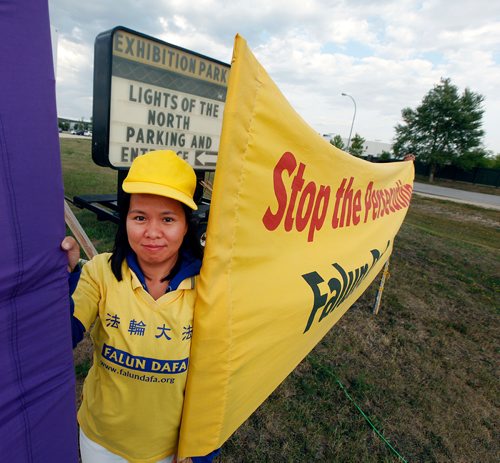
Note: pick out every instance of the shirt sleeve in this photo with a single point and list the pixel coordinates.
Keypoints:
(87, 295)
(77, 329)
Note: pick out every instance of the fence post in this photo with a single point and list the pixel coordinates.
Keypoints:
(378, 299)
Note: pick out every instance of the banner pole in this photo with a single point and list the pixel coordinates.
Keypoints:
(78, 231)
(378, 299)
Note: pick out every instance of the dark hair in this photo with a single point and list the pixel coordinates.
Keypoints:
(122, 247)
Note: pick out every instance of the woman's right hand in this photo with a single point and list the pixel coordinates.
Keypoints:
(72, 249)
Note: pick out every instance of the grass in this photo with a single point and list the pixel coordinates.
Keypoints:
(425, 369)
(82, 177)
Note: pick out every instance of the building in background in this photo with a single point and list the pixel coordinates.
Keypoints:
(371, 148)
(74, 125)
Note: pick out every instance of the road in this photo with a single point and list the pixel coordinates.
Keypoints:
(460, 196)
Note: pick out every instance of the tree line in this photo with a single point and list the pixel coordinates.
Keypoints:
(445, 129)
(356, 145)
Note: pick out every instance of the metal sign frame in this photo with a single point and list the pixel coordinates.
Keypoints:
(176, 96)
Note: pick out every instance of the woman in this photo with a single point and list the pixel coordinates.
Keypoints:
(140, 301)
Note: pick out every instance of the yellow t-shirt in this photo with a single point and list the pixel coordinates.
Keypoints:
(133, 394)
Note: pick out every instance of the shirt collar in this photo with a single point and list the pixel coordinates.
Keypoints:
(189, 267)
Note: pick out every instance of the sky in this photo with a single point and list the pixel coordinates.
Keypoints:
(386, 54)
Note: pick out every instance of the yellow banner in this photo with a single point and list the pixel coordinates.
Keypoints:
(297, 231)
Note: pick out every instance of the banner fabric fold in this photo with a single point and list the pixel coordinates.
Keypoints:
(298, 229)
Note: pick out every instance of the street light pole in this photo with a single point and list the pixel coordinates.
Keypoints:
(353, 117)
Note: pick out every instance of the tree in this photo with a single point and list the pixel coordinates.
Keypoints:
(494, 161)
(444, 129)
(337, 141)
(357, 145)
(385, 155)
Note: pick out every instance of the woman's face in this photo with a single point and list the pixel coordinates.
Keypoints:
(156, 227)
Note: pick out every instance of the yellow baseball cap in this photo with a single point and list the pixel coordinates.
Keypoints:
(162, 173)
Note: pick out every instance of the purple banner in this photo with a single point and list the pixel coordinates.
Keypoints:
(37, 398)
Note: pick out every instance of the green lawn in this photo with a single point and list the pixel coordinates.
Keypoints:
(82, 177)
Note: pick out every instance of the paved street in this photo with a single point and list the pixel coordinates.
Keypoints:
(452, 194)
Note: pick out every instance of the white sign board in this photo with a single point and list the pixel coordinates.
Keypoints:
(161, 97)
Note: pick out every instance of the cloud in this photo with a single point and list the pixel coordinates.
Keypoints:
(388, 53)
(74, 78)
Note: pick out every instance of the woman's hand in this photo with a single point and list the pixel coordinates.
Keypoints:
(409, 157)
(70, 246)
